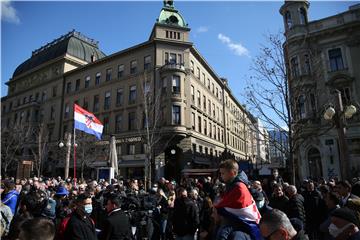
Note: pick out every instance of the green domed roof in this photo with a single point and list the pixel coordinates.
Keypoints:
(170, 16)
(73, 43)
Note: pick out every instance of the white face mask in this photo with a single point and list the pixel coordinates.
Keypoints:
(260, 204)
(335, 231)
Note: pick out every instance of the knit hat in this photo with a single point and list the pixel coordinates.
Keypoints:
(346, 214)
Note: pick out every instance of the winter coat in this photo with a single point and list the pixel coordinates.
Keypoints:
(186, 217)
(280, 203)
(80, 227)
(116, 226)
(10, 199)
(315, 210)
(296, 208)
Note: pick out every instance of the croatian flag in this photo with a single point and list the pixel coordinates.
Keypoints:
(87, 122)
(238, 205)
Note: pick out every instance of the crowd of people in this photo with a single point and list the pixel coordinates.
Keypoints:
(226, 207)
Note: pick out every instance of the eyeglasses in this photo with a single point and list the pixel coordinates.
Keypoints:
(269, 236)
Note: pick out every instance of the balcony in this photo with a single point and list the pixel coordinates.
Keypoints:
(173, 67)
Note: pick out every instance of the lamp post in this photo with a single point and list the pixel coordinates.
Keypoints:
(338, 114)
(68, 151)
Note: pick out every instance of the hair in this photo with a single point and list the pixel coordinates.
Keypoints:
(35, 202)
(278, 185)
(9, 184)
(276, 219)
(37, 229)
(345, 184)
(333, 197)
(82, 197)
(229, 164)
(291, 189)
(114, 199)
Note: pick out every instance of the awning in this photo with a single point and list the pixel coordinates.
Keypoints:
(199, 172)
(132, 163)
(202, 160)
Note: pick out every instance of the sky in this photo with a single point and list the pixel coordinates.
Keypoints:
(227, 34)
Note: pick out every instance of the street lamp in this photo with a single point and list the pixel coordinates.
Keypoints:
(68, 147)
(337, 114)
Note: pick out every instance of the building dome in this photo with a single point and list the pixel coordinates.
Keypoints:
(73, 43)
(170, 16)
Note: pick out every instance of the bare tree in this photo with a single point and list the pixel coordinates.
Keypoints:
(88, 151)
(274, 95)
(12, 143)
(39, 151)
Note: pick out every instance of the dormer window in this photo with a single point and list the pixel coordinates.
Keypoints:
(288, 20)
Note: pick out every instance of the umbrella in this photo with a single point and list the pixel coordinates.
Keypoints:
(113, 160)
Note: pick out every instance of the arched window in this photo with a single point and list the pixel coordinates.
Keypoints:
(303, 17)
(301, 107)
(288, 20)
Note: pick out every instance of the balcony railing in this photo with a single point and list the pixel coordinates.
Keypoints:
(173, 67)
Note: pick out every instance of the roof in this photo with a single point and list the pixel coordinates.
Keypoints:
(72, 43)
(170, 16)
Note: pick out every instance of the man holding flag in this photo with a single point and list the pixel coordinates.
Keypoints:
(236, 204)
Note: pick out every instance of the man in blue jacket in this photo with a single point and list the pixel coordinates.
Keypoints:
(10, 196)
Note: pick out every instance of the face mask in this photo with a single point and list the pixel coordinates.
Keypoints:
(260, 204)
(335, 231)
(88, 208)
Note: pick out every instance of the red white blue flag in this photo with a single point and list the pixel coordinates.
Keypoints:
(87, 122)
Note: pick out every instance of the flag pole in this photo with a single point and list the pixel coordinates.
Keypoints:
(74, 157)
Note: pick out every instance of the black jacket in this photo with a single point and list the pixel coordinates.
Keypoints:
(186, 217)
(280, 203)
(315, 209)
(80, 227)
(116, 226)
(296, 208)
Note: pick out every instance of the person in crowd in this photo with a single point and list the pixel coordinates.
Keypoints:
(194, 195)
(186, 216)
(258, 186)
(260, 201)
(278, 199)
(344, 225)
(161, 213)
(10, 196)
(315, 210)
(344, 190)
(206, 221)
(275, 225)
(5, 220)
(236, 203)
(117, 224)
(295, 205)
(332, 203)
(37, 229)
(80, 226)
(355, 190)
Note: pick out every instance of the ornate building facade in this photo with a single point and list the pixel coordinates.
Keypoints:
(323, 56)
(160, 99)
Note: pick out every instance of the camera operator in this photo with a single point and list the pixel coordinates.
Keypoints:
(117, 224)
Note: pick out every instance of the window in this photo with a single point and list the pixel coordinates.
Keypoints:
(193, 121)
(164, 84)
(209, 104)
(24, 100)
(176, 84)
(96, 103)
(118, 123)
(176, 115)
(301, 105)
(194, 148)
(192, 66)
(345, 96)
(132, 120)
(172, 59)
(200, 149)
(97, 78)
(217, 92)
(206, 151)
(166, 57)
(108, 74)
(43, 96)
(87, 81)
(147, 62)
(294, 67)
(313, 104)
(86, 103)
(52, 113)
(198, 73)
(204, 79)
(335, 58)
(307, 68)
(208, 84)
(106, 125)
(131, 149)
(192, 93)
(132, 94)
(119, 97)
(198, 97)
(204, 103)
(54, 93)
(303, 18)
(107, 100)
(77, 85)
(214, 131)
(68, 87)
(213, 109)
(179, 60)
(67, 110)
(288, 20)
(205, 127)
(210, 129)
(120, 70)
(199, 125)
(133, 67)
